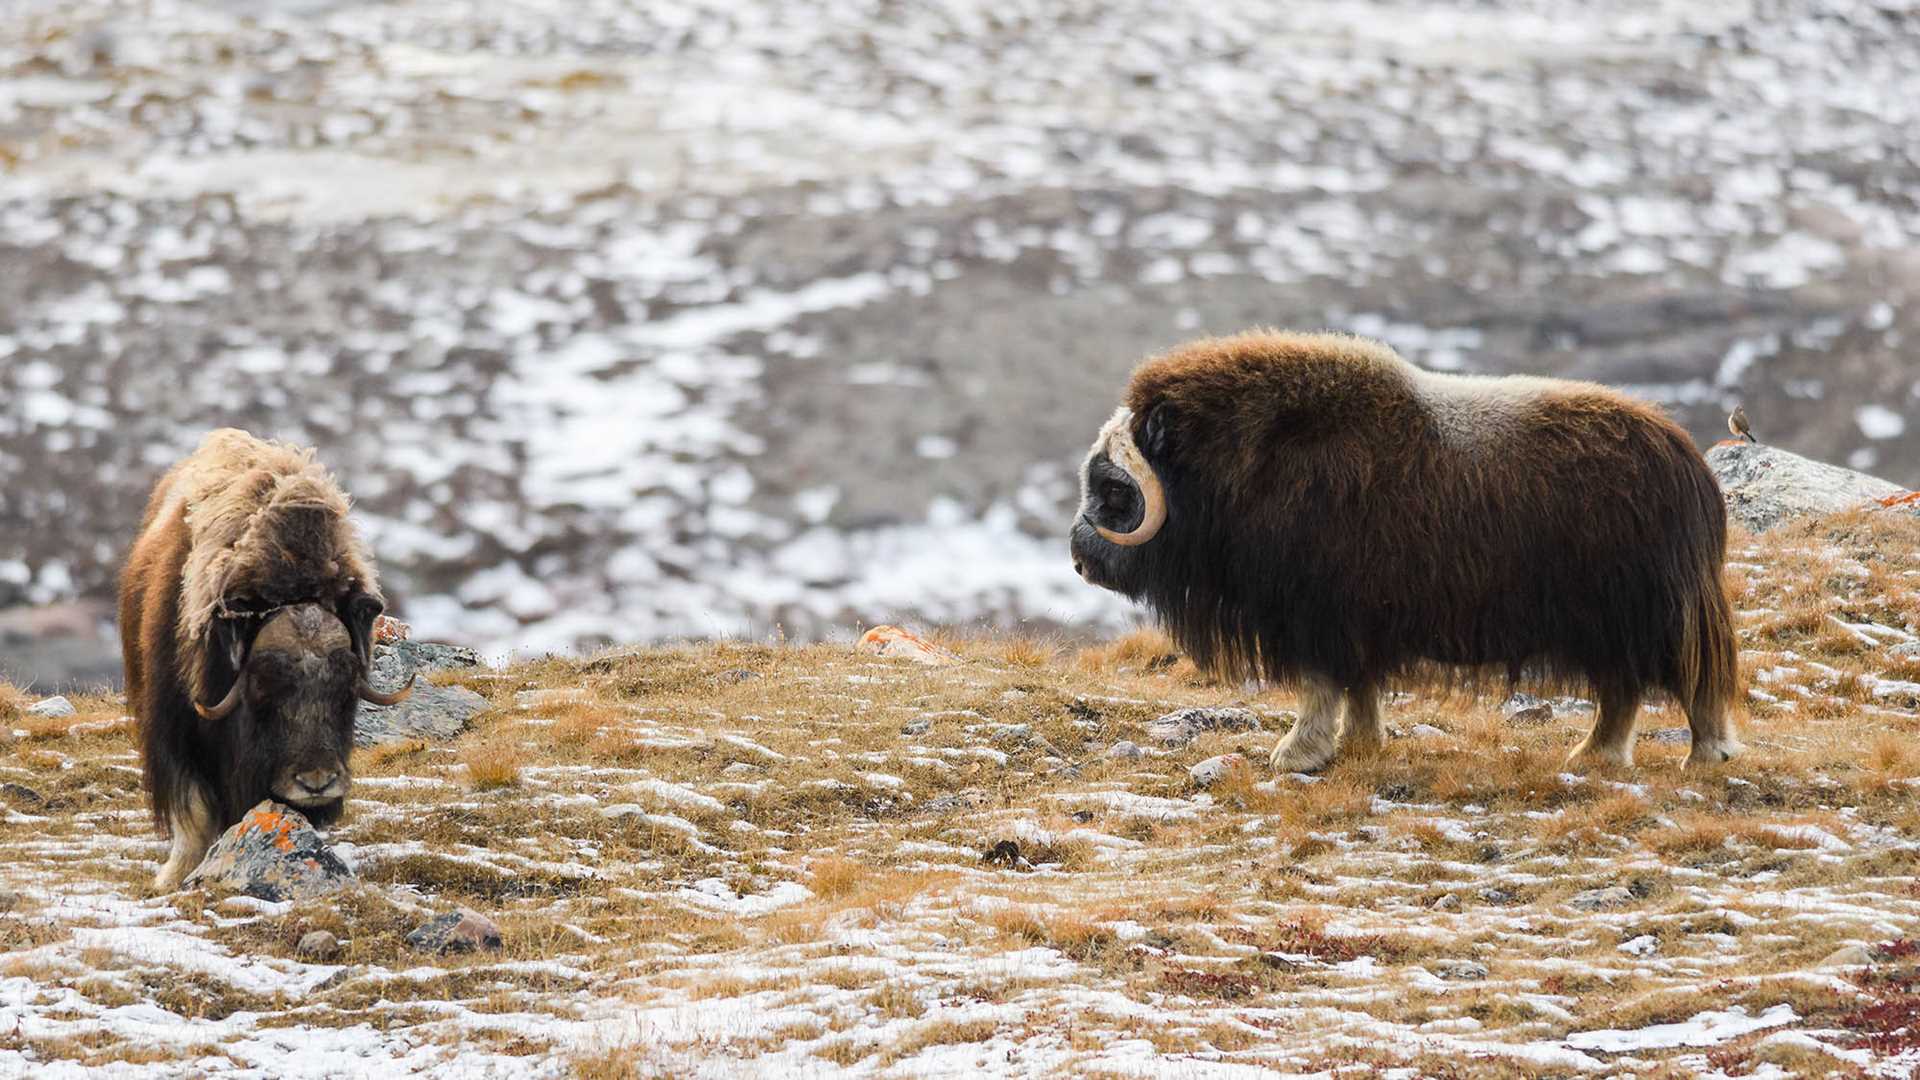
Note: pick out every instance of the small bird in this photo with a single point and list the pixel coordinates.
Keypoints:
(1737, 423)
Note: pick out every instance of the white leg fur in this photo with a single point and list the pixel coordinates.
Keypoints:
(1364, 729)
(1611, 740)
(194, 831)
(1311, 745)
(1714, 739)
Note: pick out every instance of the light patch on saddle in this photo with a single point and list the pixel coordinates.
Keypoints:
(1479, 411)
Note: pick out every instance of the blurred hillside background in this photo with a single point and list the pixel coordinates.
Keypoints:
(629, 321)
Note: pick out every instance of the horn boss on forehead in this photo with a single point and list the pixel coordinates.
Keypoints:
(1312, 509)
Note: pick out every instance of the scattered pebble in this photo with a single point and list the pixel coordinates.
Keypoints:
(1849, 957)
(1449, 902)
(1182, 727)
(1612, 896)
(892, 641)
(1215, 769)
(22, 795)
(52, 708)
(463, 930)
(1644, 945)
(919, 725)
(318, 945)
(1125, 750)
(1461, 970)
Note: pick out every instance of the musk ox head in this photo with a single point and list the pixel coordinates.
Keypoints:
(285, 725)
(1123, 500)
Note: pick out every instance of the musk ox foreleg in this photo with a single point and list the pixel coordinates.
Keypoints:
(1313, 742)
(194, 830)
(1611, 741)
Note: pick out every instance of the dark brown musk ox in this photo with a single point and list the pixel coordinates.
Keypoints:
(1312, 509)
(246, 624)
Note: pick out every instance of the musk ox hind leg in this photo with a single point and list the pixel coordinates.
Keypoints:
(1611, 741)
(1714, 740)
(194, 830)
(1312, 744)
(1363, 730)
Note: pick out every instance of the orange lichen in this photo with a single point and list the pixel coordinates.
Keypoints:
(1906, 498)
(275, 825)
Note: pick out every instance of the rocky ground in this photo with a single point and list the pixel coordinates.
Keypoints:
(739, 860)
(626, 322)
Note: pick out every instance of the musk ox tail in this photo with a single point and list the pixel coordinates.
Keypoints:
(1707, 668)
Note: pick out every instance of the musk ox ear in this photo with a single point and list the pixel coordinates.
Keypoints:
(358, 611)
(1155, 433)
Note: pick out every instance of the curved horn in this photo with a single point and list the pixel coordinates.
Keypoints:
(368, 694)
(1127, 455)
(226, 705)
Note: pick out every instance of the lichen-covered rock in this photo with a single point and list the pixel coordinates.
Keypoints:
(1460, 970)
(272, 853)
(54, 707)
(902, 644)
(1180, 728)
(432, 712)
(463, 930)
(1765, 485)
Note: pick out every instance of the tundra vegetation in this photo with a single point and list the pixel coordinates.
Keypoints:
(750, 859)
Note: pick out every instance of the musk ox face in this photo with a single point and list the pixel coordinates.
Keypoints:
(1123, 503)
(285, 728)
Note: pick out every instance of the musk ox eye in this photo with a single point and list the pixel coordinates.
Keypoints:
(1115, 495)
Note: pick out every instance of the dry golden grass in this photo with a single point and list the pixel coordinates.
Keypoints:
(863, 793)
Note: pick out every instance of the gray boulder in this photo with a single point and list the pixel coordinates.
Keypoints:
(1765, 485)
(272, 853)
(52, 708)
(432, 712)
(1602, 899)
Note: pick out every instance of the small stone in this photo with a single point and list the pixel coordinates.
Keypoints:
(54, 707)
(1426, 731)
(1182, 727)
(896, 643)
(272, 853)
(950, 804)
(1126, 751)
(318, 945)
(1081, 817)
(1006, 853)
(919, 725)
(1600, 899)
(1449, 902)
(1496, 896)
(1460, 970)
(1675, 736)
(457, 931)
(742, 768)
(1525, 711)
(8, 900)
(619, 811)
(1644, 945)
(1906, 650)
(21, 795)
(1215, 769)
(1849, 957)
(735, 677)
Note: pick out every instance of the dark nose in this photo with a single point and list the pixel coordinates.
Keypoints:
(317, 780)
(1080, 568)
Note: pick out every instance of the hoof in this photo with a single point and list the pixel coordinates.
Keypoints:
(1587, 756)
(1717, 752)
(1292, 757)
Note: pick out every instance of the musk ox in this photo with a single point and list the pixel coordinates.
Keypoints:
(246, 623)
(1312, 509)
